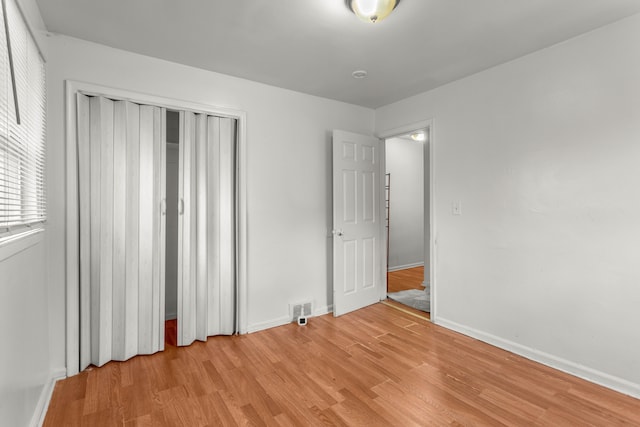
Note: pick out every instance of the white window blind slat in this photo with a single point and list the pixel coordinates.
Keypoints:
(22, 146)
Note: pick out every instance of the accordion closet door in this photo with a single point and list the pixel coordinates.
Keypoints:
(122, 240)
(207, 253)
(121, 164)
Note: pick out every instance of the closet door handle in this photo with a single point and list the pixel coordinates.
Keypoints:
(163, 207)
(181, 207)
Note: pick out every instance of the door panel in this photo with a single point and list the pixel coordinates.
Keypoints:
(350, 179)
(207, 228)
(369, 189)
(357, 228)
(121, 188)
(186, 219)
(369, 262)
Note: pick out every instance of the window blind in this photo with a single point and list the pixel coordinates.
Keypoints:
(22, 145)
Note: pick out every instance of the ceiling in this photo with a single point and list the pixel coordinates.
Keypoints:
(313, 46)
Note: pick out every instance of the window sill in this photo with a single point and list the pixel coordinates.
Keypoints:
(12, 245)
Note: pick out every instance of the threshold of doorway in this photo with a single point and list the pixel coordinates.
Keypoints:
(406, 309)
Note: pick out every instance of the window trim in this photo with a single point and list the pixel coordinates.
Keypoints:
(14, 244)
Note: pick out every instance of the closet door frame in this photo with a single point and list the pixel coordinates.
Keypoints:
(72, 267)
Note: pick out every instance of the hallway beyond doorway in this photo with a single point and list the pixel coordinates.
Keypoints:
(402, 280)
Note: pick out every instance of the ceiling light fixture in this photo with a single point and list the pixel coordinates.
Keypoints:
(372, 10)
(419, 136)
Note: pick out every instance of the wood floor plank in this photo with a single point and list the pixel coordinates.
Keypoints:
(376, 366)
(356, 411)
(621, 405)
(216, 410)
(411, 406)
(402, 280)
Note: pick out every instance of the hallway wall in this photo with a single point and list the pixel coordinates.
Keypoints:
(405, 163)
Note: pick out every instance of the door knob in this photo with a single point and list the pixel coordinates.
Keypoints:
(337, 232)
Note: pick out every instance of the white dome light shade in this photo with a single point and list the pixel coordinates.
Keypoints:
(372, 10)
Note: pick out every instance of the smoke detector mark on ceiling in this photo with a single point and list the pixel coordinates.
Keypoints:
(359, 74)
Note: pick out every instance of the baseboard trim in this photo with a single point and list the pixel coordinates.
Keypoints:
(592, 375)
(40, 411)
(268, 324)
(284, 320)
(404, 267)
(321, 311)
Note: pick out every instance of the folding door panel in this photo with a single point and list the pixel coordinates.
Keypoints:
(121, 159)
(207, 228)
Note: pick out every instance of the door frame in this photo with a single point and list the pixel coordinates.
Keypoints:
(72, 275)
(430, 238)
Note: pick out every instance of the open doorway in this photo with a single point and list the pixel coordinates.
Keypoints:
(407, 194)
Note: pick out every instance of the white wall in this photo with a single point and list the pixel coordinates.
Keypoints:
(405, 162)
(24, 355)
(288, 138)
(544, 154)
(25, 363)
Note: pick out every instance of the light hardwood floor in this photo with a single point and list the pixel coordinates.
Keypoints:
(402, 280)
(375, 367)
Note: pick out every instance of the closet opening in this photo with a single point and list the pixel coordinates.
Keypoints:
(171, 252)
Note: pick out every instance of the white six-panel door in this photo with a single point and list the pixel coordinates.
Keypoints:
(357, 226)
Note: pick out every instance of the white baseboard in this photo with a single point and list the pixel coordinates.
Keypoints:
(269, 324)
(284, 320)
(615, 383)
(256, 327)
(321, 311)
(40, 411)
(404, 267)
